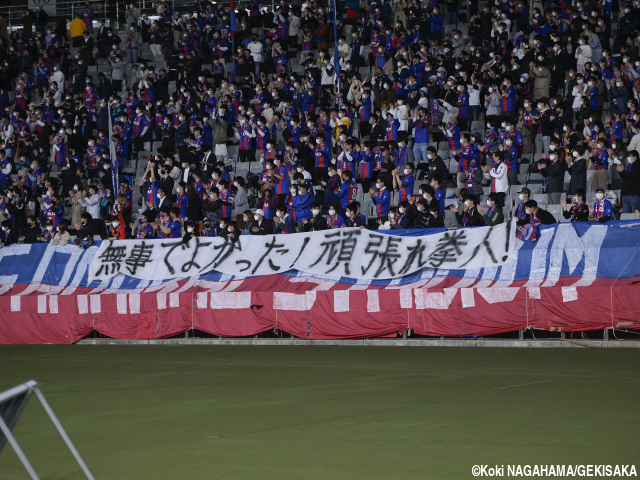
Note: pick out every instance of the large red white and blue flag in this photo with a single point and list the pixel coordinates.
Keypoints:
(336, 284)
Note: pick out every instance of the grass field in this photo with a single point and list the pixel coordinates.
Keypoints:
(231, 412)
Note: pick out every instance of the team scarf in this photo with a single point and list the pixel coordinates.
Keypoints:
(435, 112)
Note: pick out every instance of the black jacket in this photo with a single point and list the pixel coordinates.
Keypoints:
(631, 180)
(545, 217)
(10, 237)
(578, 172)
(264, 228)
(474, 219)
(577, 214)
(31, 234)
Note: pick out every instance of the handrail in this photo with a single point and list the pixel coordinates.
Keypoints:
(105, 10)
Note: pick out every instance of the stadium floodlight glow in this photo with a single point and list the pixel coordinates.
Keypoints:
(12, 403)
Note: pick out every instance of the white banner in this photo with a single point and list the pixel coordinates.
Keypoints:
(347, 252)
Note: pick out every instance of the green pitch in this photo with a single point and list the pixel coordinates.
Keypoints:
(211, 412)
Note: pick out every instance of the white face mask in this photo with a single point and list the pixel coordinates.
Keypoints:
(50, 228)
(332, 212)
(294, 193)
(315, 211)
(429, 156)
(190, 229)
(521, 197)
(279, 214)
(528, 211)
(401, 210)
(467, 203)
(392, 215)
(599, 196)
(318, 141)
(256, 217)
(245, 218)
(379, 186)
(406, 171)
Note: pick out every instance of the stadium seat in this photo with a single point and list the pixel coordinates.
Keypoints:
(556, 211)
(541, 198)
(536, 188)
(477, 125)
(450, 219)
(508, 203)
(628, 216)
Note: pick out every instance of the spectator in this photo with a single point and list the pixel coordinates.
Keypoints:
(468, 215)
(77, 28)
(630, 183)
(260, 225)
(62, 237)
(9, 235)
(602, 210)
(578, 211)
(493, 214)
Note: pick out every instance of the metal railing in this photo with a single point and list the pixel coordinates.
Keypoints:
(104, 10)
(110, 11)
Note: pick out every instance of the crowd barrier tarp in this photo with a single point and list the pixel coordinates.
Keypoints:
(576, 277)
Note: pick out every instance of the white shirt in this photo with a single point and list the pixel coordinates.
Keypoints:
(256, 51)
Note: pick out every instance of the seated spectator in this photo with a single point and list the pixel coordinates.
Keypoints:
(260, 224)
(468, 215)
(578, 211)
(317, 222)
(493, 215)
(62, 237)
(9, 235)
(602, 210)
(32, 230)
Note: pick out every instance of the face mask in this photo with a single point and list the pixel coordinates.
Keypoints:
(406, 171)
(401, 210)
(332, 212)
(245, 218)
(528, 211)
(521, 197)
(349, 214)
(599, 195)
(315, 211)
(429, 156)
(256, 217)
(552, 147)
(294, 193)
(50, 228)
(318, 141)
(379, 186)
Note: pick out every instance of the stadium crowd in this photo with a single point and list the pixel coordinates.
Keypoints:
(425, 114)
